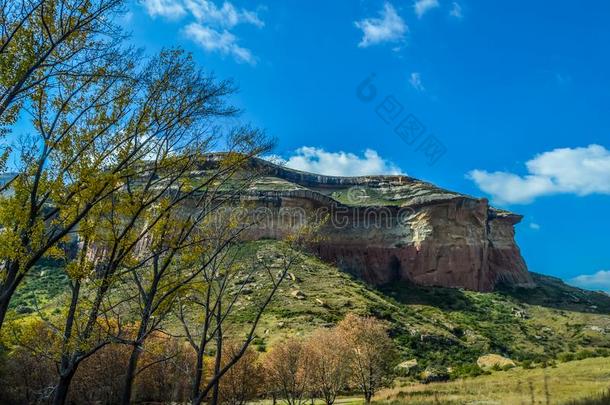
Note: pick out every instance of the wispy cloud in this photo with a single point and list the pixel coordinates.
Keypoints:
(212, 27)
(415, 81)
(318, 160)
(389, 27)
(597, 281)
(423, 6)
(456, 10)
(171, 9)
(579, 171)
(534, 226)
(218, 41)
(227, 16)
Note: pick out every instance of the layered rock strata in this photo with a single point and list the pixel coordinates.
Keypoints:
(386, 229)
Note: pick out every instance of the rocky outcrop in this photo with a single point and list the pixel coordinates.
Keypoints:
(386, 229)
(494, 360)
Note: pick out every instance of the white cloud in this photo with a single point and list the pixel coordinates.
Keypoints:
(534, 226)
(172, 9)
(456, 10)
(415, 80)
(390, 27)
(580, 171)
(227, 16)
(597, 281)
(423, 6)
(317, 160)
(212, 25)
(218, 41)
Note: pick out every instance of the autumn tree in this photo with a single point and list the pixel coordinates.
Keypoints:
(222, 287)
(242, 382)
(371, 351)
(329, 363)
(28, 373)
(167, 138)
(165, 367)
(183, 244)
(287, 372)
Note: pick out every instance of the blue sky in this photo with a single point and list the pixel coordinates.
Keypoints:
(515, 93)
(495, 84)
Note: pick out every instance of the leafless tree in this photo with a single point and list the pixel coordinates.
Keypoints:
(215, 302)
(287, 372)
(242, 382)
(329, 363)
(372, 353)
(169, 131)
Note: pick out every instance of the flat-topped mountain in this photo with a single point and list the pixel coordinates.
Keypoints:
(390, 228)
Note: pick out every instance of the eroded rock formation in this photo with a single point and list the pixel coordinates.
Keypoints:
(390, 228)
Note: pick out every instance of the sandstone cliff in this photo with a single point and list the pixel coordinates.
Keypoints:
(385, 229)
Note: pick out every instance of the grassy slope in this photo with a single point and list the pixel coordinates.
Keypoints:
(551, 385)
(41, 285)
(438, 326)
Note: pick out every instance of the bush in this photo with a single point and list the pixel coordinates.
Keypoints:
(24, 309)
(565, 357)
(527, 364)
(602, 352)
(584, 354)
(434, 374)
(467, 370)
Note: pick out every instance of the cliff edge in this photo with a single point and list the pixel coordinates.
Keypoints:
(386, 229)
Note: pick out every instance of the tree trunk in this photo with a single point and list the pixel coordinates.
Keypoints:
(217, 365)
(3, 309)
(7, 289)
(140, 339)
(130, 374)
(62, 387)
(198, 374)
(201, 351)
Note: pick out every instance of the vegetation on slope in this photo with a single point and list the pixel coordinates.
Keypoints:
(565, 384)
(440, 327)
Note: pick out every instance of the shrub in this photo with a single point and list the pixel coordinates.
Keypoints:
(24, 309)
(467, 370)
(527, 364)
(584, 354)
(565, 357)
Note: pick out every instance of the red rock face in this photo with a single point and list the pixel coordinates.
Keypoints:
(459, 243)
(452, 244)
(385, 229)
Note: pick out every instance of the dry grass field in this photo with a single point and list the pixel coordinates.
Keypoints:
(567, 382)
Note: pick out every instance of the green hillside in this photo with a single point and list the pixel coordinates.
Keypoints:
(437, 326)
